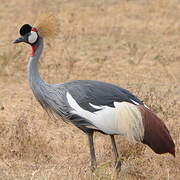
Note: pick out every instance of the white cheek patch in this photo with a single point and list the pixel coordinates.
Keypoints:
(32, 37)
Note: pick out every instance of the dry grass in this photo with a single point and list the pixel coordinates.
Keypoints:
(134, 44)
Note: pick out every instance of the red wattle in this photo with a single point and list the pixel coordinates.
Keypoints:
(34, 29)
(33, 50)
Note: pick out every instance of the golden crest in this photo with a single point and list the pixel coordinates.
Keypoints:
(47, 25)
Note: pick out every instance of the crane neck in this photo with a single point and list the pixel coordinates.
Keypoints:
(33, 73)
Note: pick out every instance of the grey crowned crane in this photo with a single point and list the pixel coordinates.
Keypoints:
(93, 105)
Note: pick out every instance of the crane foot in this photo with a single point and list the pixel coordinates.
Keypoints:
(118, 165)
(93, 167)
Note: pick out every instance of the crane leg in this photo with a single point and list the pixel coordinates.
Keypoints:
(117, 159)
(92, 152)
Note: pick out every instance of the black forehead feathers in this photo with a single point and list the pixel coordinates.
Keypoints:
(26, 28)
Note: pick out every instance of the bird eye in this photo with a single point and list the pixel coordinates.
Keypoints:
(32, 38)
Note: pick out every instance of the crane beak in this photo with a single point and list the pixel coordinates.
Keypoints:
(21, 39)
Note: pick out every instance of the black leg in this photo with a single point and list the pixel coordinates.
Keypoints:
(117, 159)
(92, 152)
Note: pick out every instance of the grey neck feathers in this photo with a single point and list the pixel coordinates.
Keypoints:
(33, 73)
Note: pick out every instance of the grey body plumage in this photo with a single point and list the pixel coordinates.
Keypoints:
(96, 106)
(53, 97)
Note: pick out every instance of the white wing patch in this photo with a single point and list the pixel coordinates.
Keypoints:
(129, 120)
(124, 119)
(139, 104)
(146, 106)
(102, 119)
(135, 102)
(95, 107)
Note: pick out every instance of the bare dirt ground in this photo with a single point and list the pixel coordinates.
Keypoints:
(131, 43)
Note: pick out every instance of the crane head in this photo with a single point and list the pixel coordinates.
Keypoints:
(28, 34)
(46, 26)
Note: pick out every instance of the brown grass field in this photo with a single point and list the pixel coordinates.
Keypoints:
(131, 43)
